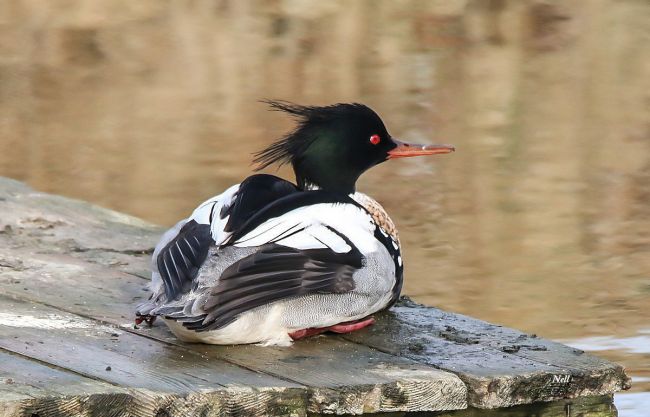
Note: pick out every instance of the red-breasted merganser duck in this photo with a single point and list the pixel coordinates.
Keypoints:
(268, 261)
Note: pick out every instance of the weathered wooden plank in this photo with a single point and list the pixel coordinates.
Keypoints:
(12, 387)
(53, 224)
(34, 379)
(370, 381)
(494, 380)
(31, 388)
(491, 359)
(374, 381)
(107, 353)
(158, 378)
(70, 283)
(597, 406)
(28, 387)
(52, 219)
(468, 330)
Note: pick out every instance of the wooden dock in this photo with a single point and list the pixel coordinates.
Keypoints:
(71, 274)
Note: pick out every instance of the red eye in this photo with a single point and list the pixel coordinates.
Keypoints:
(375, 139)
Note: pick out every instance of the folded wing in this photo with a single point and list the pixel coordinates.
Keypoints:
(179, 261)
(273, 273)
(304, 243)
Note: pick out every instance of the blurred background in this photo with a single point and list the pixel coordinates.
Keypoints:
(539, 221)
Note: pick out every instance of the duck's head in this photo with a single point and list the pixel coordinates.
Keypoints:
(333, 145)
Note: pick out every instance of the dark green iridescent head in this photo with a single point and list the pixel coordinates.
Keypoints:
(333, 145)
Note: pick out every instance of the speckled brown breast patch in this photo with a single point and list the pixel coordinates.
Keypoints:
(378, 214)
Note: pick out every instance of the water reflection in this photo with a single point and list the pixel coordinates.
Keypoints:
(633, 404)
(635, 344)
(540, 221)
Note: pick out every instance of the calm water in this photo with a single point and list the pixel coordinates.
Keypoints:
(539, 221)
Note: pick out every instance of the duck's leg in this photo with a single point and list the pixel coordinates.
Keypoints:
(345, 327)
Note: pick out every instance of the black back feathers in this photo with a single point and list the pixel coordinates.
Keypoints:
(179, 261)
(254, 193)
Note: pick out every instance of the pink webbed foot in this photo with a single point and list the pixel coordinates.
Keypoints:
(351, 326)
(345, 327)
(304, 333)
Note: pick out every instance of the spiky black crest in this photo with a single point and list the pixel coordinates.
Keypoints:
(330, 146)
(310, 119)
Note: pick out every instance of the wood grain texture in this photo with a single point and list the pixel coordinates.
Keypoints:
(28, 387)
(58, 225)
(34, 379)
(597, 406)
(97, 367)
(120, 358)
(363, 379)
(502, 367)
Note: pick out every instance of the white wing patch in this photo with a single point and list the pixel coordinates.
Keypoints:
(213, 206)
(310, 228)
(314, 237)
